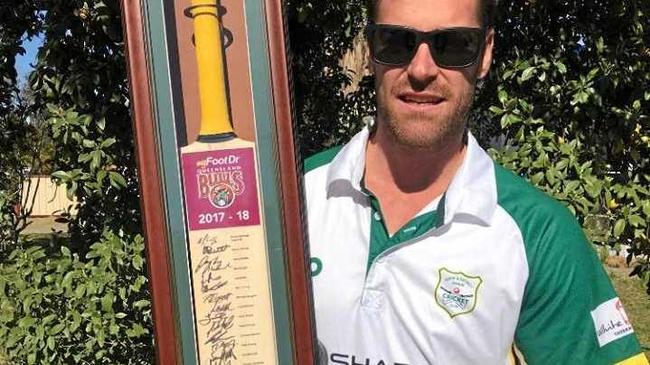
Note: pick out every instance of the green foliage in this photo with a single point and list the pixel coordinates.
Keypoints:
(81, 86)
(569, 95)
(320, 34)
(18, 19)
(73, 301)
(22, 146)
(16, 147)
(57, 307)
(13, 164)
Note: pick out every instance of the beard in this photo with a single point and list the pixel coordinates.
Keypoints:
(425, 130)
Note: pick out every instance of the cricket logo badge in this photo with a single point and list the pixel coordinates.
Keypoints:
(457, 292)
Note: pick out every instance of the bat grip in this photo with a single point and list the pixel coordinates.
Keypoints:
(215, 119)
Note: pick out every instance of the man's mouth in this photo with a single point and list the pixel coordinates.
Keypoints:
(420, 99)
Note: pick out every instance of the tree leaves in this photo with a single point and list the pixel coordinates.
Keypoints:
(79, 84)
(527, 74)
(329, 107)
(113, 330)
(578, 64)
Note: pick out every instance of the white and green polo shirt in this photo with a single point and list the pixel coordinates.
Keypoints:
(493, 272)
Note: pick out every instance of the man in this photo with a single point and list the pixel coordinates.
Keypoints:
(426, 252)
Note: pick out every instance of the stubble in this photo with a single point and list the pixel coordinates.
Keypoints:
(422, 130)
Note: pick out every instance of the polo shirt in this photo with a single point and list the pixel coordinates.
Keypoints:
(492, 272)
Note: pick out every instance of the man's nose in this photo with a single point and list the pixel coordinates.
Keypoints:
(422, 69)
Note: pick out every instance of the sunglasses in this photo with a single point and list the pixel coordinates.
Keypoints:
(395, 45)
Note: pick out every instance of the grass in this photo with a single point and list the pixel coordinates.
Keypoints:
(631, 290)
(42, 238)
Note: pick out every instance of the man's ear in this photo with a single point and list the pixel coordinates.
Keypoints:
(486, 58)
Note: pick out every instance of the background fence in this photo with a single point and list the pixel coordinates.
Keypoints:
(49, 199)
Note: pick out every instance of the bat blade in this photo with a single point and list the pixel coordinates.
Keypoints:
(233, 312)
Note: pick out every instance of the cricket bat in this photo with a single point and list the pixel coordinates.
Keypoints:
(233, 314)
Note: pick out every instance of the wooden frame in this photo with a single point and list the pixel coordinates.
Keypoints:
(172, 342)
(289, 165)
(151, 193)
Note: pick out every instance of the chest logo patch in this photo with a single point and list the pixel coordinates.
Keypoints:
(457, 292)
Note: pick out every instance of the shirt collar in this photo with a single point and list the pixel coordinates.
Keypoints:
(471, 192)
(350, 162)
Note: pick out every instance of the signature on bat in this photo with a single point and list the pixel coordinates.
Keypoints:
(214, 289)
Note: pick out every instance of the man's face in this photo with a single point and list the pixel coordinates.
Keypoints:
(420, 104)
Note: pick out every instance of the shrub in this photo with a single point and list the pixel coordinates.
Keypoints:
(568, 97)
(56, 307)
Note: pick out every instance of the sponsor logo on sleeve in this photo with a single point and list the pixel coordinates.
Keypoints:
(457, 292)
(610, 321)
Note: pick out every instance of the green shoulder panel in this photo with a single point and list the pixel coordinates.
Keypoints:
(321, 158)
(566, 281)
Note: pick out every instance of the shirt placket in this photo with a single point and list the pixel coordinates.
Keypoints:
(381, 245)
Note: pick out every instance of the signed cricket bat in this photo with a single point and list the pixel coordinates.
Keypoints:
(233, 315)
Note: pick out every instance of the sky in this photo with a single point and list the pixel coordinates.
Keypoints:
(24, 62)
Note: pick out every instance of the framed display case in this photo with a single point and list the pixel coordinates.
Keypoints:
(167, 103)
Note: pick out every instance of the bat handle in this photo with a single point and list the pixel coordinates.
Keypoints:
(215, 119)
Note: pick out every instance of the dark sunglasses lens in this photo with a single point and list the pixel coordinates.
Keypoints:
(456, 47)
(392, 46)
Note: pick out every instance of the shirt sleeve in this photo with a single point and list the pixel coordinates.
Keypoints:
(570, 312)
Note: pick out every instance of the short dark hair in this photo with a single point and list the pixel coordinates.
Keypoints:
(488, 9)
